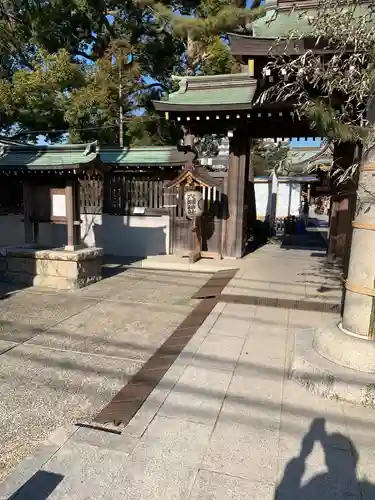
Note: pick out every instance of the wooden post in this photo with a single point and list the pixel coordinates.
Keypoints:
(77, 213)
(237, 168)
(251, 201)
(73, 237)
(343, 155)
(27, 210)
(195, 253)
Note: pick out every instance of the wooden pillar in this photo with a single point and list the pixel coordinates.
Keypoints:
(238, 171)
(27, 211)
(77, 213)
(73, 234)
(252, 209)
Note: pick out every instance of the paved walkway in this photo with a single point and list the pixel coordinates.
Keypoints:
(64, 355)
(225, 423)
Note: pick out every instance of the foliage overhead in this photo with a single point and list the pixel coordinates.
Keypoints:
(271, 156)
(203, 29)
(332, 89)
(60, 62)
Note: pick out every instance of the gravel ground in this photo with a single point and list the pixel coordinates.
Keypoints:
(64, 355)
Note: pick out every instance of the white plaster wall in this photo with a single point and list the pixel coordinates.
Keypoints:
(127, 236)
(135, 236)
(288, 193)
(288, 199)
(296, 198)
(261, 198)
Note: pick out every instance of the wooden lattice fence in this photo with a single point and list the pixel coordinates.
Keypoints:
(119, 193)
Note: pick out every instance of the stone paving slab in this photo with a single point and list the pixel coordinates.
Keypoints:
(72, 352)
(25, 315)
(42, 388)
(163, 464)
(5, 346)
(87, 471)
(198, 395)
(214, 486)
(117, 331)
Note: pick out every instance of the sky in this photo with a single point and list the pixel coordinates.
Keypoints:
(309, 141)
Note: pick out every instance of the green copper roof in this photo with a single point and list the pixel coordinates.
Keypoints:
(308, 156)
(143, 156)
(278, 23)
(34, 157)
(208, 93)
(20, 156)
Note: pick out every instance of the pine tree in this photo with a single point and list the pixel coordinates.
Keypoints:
(203, 31)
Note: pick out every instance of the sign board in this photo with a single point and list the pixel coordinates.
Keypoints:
(194, 204)
(58, 205)
(139, 210)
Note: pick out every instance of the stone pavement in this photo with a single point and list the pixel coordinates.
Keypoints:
(66, 354)
(224, 423)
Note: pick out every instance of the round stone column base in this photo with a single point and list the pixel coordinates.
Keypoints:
(318, 363)
(344, 348)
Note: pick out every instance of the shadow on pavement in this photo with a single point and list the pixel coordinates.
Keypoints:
(339, 481)
(38, 487)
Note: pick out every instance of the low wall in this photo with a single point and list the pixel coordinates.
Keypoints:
(125, 236)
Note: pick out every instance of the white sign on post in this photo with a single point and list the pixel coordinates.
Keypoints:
(139, 210)
(58, 205)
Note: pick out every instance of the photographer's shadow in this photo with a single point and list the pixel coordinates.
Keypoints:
(339, 482)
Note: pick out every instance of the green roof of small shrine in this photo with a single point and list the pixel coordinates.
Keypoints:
(17, 156)
(143, 156)
(210, 93)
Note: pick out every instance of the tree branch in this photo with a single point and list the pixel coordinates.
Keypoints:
(81, 53)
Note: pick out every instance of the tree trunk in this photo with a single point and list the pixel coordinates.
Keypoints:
(359, 310)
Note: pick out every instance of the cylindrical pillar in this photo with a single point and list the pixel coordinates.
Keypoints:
(359, 310)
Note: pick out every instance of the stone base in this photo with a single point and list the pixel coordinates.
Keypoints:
(54, 268)
(318, 364)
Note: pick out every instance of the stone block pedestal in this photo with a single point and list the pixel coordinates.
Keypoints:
(53, 268)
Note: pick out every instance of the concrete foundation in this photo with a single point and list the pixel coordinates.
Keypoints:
(335, 365)
(53, 268)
